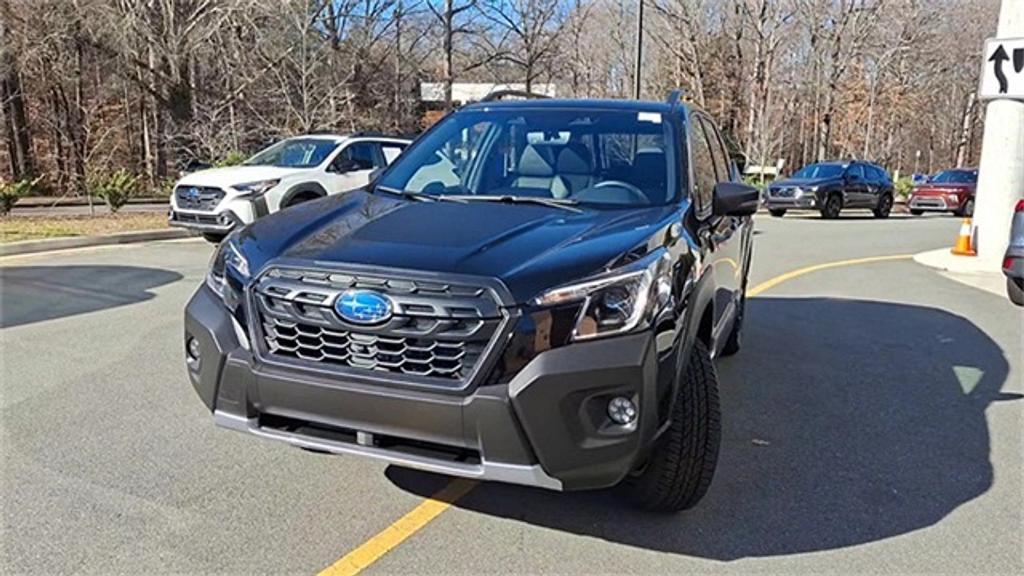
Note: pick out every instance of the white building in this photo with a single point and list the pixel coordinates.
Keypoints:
(464, 92)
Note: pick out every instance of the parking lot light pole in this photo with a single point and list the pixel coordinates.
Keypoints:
(1001, 170)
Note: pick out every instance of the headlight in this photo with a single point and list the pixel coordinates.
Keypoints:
(813, 188)
(256, 188)
(617, 301)
(228, 263)
(797, 192)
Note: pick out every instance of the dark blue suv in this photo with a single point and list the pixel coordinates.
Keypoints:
(831, 187)
(532, 293)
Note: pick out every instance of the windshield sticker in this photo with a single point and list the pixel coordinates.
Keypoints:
(649, 117)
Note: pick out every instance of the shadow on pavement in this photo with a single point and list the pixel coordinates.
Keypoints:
(36, 293)
(846, 422)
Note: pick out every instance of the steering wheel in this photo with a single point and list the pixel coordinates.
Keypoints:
(638, 194)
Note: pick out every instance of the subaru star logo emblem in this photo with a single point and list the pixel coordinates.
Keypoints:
(193, 194)
(363, 307)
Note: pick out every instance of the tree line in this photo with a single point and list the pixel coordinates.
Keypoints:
(89, 87)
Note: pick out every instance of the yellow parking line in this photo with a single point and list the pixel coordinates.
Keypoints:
(769, 284)
(373, 549)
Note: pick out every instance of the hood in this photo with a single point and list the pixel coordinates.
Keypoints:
(529, 248)
(234, 175)
(803, 182)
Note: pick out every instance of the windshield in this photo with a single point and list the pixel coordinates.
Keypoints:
(294, 153)
(609, 158)
(820, 171)
(956, 177)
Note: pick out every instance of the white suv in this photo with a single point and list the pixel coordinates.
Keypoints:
(217, 200)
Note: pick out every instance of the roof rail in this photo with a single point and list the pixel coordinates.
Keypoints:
(362, 133)
(674, 97)
(499, 94)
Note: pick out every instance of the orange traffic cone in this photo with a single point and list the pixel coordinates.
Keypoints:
(964, 245)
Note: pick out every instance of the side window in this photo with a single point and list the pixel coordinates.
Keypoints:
(391, 151)
(704, 177)
(357, 156)
(856, 172)
(717, 151)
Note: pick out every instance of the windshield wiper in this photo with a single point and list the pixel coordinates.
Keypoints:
(562, 203)
(420, 196)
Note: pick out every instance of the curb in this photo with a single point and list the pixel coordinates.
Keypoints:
(48, 202)
(33, 246)
(967, 270)
(943, 259)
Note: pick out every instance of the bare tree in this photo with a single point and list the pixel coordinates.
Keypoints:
(527, 34)
(88, 86)
(12, 102)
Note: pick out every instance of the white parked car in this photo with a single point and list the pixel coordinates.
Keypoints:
(294, 170)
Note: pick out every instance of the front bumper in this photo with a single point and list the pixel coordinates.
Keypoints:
(933, 203)
(546, 427)
(231, 213)
(805, 202)
(220, 223)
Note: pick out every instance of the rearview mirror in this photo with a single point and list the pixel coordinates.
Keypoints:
(734, 199)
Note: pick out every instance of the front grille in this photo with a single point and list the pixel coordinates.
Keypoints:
(203, 219)
(438, 331)
(928, 202)
(782, 192)
(202, 198)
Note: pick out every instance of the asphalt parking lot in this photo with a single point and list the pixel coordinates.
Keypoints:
(872, 423)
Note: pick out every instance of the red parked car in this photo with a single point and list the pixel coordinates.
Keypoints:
(948, 191)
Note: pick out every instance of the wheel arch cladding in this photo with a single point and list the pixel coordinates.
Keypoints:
(308, 190)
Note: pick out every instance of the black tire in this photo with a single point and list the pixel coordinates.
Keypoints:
(884, 207)
(214, 237)
(967, 209)
(833, 206)
(1015, 290)
(680, 467)
(777, 212)
(916, 212)
(735, 341)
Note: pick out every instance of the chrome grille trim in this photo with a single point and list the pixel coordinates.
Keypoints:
(206, 199)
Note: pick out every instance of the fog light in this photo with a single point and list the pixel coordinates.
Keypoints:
(622, 410)
(192, 349)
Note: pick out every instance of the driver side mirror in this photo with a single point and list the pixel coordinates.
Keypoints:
(734, 199)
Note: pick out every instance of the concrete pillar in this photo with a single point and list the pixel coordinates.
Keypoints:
(1001, 170)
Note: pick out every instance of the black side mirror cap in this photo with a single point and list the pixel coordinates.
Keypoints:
(734, 199)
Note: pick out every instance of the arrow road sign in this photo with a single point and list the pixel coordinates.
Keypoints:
(1002, 72)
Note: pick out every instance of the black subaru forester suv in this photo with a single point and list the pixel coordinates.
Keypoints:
(532, 293)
